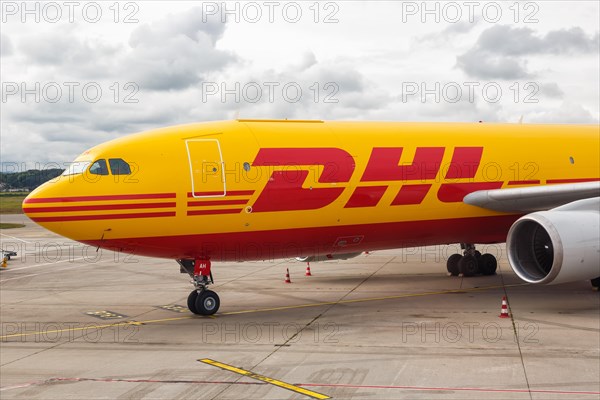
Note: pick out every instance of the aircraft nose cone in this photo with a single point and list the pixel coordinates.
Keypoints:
(47, 206)
(24, 204)
(38, 201)
(28, 205)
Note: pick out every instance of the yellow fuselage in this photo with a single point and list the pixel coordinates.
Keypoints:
(243, 190)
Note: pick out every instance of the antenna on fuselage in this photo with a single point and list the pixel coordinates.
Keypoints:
(102, 238)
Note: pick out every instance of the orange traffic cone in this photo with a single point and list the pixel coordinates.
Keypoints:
(504, 311)
(287, 276)
(307, 273)
(4, 263)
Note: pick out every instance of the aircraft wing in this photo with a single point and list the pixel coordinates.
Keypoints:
(530, 199)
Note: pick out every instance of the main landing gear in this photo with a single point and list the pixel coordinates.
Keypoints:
(472, 262)
(201, 301)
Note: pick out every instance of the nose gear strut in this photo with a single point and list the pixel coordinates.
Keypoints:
(201, 301)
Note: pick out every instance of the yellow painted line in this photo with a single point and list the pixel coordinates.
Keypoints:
(326, 303)
(397, 296)
(266, 379)
(87, 327)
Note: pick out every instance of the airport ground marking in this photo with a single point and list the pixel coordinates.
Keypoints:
(174, 308)
(46, 264)
(443, 389)
(126, 380)
(51, 271)
(266, 379)
(105, 314)
(392, 297)
(88, 327)
(15, 238)
(333, 385)
(258, 310)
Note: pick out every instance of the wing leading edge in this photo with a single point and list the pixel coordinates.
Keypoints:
(530, 199)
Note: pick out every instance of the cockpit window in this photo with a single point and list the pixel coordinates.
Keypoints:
(119, 167)
(99, 168)
(77, 167)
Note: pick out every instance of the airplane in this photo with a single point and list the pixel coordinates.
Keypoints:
(245, 189)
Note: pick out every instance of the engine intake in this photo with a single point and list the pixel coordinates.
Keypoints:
(557, 246)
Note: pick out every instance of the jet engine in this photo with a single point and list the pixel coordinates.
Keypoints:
(557, 246)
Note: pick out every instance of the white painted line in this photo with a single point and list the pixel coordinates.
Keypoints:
(50, 272)
(42, 265)
(15, 238)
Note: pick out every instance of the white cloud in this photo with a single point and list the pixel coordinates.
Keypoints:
(6, 47)
(500, 51)
(565, 113)
(551, 89)
(361, 62)
(176, 52)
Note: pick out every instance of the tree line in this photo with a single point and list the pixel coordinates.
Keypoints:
(27, 180)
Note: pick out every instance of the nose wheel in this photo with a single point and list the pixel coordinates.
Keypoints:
(205, 302)
(201, 301)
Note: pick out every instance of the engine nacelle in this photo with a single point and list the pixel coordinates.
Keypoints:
(557, 246)
(328, 257)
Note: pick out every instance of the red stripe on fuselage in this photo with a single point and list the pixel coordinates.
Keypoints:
(531, 182)
(284, 243)
(100, 217)
(30, 210)
(214, 212)
(550, 181)
(229, 193)
(101, 198)
(216, 203)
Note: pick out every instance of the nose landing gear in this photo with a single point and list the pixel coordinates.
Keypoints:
(472, 262)
(201, 301)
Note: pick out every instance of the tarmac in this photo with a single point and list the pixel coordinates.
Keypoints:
(82, 323)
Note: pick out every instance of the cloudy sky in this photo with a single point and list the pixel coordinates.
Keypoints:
(77, 74)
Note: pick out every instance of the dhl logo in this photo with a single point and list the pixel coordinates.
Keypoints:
(284, 193)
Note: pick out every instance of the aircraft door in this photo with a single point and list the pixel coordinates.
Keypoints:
(207, 168)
